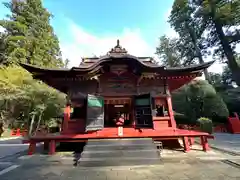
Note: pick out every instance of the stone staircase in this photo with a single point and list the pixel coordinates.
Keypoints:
(119, 152)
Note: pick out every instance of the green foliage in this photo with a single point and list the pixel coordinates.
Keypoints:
(21, 97)
(216, 80)
(205, 24)
(2, 48)
(192, 43)
(232, 99)
(216, 15)
(199, 99)
(28, 35)
(182, 119)
(28, 38)
(205, 125)
(190, 33)
(66, 63)
(223, 82)
(167, 52)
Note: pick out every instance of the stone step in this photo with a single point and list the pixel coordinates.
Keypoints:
(117, 152)
(122, 154)
(118, 148)
(120, 145)
(113, 152)
(119, 163)
(103, 162)
(120, 142)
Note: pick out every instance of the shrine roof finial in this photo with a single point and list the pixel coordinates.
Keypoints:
(117, 50)
(118, 43)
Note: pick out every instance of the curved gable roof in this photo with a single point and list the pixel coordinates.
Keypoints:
(117, 54)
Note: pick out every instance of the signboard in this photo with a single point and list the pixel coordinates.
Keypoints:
(95, 113)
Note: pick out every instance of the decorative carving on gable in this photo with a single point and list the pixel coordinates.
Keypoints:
(123, 84)
(118, 69)
(152, 86)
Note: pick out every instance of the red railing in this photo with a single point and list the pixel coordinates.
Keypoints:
(18, 132)
(219, 128)
(234, 124)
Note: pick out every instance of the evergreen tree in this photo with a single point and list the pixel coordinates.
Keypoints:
(29, 35)
(66, 63)
(168, 53)
(190, 32)
(2, 48)
(204, 24)
(221, 19)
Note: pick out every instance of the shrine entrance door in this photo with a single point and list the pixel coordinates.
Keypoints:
(143, 111)
(114, 107)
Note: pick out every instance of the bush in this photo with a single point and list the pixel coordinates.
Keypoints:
(199, 99)
(205, 125)
(182, 119)
(219, 119)
(23, 98)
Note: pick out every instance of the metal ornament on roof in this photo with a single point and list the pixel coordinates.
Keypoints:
(117, 50)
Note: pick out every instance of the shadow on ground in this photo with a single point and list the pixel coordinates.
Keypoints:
(75, 147)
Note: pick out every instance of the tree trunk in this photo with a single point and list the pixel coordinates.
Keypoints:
(232, 63)
(205, 71)
(31, 125)
(198, 50)
(228, 51)
(38, 124)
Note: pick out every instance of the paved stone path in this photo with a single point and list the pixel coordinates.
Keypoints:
(11, 147)
(175, 165)
(227, 142)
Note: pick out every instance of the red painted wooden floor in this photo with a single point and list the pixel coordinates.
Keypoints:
(108, 133)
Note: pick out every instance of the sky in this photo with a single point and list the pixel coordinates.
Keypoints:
(86, 28)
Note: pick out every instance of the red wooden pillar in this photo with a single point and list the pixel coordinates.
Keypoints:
(204, 142)
(66, 118)
(191, 140)
(133, 114)
(32, 148)
(186, 144)
(52, 147)
(170, 111)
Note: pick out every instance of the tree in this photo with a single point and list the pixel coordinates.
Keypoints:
(232, 99)
(66, 63)
(221, 18)
(2, 48)
(216, 80)
(167, 52)
(199, 99)
(223, 81)
(23, 98)
(190, 33)
(227, 76)
(29, 35)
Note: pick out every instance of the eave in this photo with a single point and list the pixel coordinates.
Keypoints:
(75, 71)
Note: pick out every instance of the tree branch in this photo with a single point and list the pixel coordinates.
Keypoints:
(233, 38)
